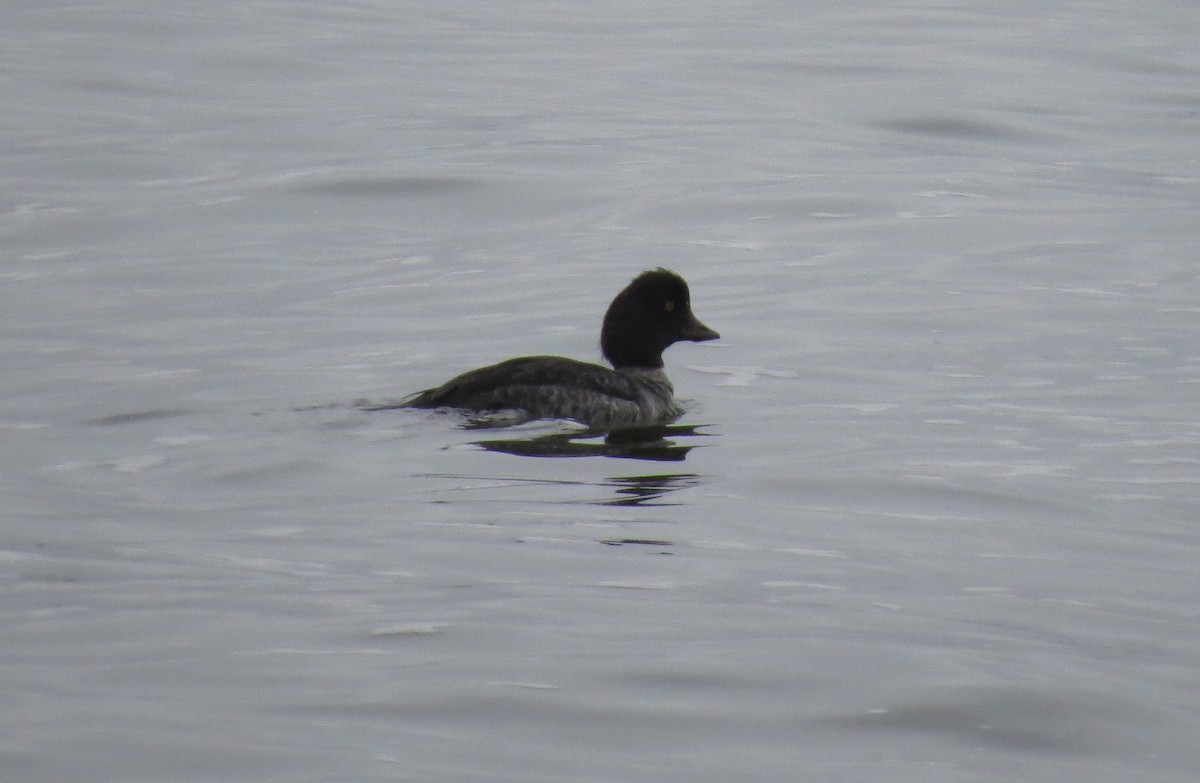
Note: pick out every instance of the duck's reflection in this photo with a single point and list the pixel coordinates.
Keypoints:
(645, 490)
(650, 443)
(629, 490)
(660, 443)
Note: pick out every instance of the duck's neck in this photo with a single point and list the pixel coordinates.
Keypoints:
(628, 359)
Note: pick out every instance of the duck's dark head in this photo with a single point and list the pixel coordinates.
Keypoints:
(653, 312)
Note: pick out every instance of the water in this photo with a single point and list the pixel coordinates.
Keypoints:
(930, 516)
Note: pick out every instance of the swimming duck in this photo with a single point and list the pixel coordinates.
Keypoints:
(652, 313)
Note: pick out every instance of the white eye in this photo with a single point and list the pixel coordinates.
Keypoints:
(669, 306)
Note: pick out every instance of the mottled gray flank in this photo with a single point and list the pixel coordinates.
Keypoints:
(623, 398)
(654, 404)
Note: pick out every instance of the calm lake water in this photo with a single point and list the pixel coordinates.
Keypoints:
(932, 512)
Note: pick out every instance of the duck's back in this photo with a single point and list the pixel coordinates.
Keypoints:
(557, 387)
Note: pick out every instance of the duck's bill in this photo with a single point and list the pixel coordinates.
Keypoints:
(698, 332)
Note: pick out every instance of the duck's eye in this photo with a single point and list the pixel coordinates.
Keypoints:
(669, 306)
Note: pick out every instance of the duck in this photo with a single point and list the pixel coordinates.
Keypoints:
(648, 316)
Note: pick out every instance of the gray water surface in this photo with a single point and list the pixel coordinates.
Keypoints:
(930, 516)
